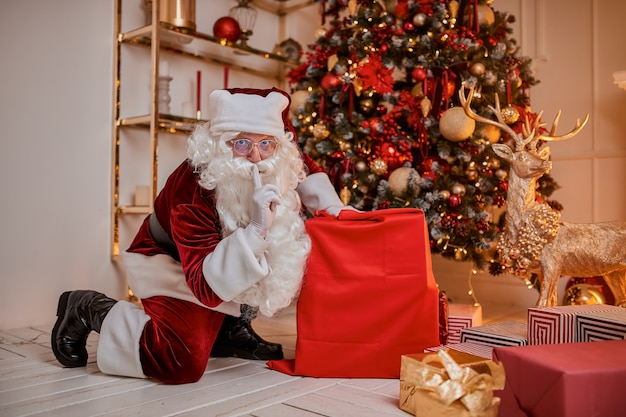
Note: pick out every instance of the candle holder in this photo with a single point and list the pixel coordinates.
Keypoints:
(164, 94)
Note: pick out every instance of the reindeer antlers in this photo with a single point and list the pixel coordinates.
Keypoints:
(467, 101)
(551, 137)
(531, 135)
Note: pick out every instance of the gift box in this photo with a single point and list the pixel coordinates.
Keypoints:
(475, 349)
(449, 383)
(601, 325)
(563, 380)
(558, 324)
(507, 333)
(462, 316)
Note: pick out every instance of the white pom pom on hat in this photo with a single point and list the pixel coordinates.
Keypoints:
(248, 110)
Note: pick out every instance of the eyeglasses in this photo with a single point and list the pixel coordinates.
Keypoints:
(244, 146)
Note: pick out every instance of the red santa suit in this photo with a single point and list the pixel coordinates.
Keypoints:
(189, 277)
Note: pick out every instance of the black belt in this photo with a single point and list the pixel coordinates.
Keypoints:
(161, 237)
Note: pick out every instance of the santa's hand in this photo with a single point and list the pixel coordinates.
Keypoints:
(335, 210)
(265, 198)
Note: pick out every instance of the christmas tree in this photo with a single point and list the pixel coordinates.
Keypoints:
(375, 102)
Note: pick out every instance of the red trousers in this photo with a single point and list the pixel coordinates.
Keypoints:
(176, 343)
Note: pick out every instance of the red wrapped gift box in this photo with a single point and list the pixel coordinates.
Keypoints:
(563, 380)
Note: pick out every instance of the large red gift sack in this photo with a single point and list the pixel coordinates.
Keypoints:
(368, 296)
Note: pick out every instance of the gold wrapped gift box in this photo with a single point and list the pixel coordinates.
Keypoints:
(449, 383)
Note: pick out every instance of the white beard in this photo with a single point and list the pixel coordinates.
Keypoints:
(289, 244)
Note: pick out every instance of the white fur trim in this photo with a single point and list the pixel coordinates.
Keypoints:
(118, 346)
(149, 276)
(247, 113)
(236, 264)
(317, 193)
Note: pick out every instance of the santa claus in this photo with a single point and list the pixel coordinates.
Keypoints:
(226, 237)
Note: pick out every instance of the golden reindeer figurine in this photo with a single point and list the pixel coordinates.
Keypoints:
(534, 239)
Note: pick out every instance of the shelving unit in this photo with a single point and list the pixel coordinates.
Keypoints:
(162, 37)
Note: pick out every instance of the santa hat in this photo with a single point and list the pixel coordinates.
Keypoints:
(249, 110)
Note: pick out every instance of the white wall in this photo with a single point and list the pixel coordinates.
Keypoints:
(55, 113)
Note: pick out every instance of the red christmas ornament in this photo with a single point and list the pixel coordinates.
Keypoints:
(455, 200)
(329, 81)
(227, 28)
(419, 74)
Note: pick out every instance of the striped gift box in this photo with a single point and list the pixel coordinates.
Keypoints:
(601, 325)
(475, 349)
(461, 316)
(551, 325)
(506, 333)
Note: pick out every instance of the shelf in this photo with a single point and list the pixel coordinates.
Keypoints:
(210, 48)
(134, 209)
(166, 123)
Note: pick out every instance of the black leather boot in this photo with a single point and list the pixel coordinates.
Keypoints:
(79, 312)
(238, 339)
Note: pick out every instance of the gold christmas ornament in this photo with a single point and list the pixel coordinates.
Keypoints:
(426, 106)
(510, 115)
(419, 19)
(320, 131)
(455, 126)
(477, 69)
(401, 178)
(345, 195)
(360, 166)
(486, 16)
(582, 294)
(298, 101)
(489, 132)
(445, 194)
(378, 166)
(458, 188)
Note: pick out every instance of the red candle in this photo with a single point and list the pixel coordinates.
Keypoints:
(226, 77)
(198, 89)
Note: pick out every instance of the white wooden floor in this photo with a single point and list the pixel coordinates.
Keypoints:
(33, 383)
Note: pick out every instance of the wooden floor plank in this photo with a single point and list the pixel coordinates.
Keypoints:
(221, 388)
(332, 407)
(281, 410)
(261, 393)
(118, 403)
(363, 398)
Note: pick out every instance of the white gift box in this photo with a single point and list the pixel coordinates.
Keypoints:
(601, 325)
(461, 316)
(507, 333)
(558, 324)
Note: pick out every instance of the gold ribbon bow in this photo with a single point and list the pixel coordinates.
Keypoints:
(455, 382)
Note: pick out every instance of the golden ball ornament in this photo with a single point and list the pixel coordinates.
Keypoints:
(378, 166)
(582, 294)
(401, 178)
(419, 19)
(510, 115)
(360, 166)
(477, 69)
(455, 125)
(298, 101)
(445, 194)
(458, 189)
(489, 132)
(471, 174)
